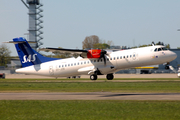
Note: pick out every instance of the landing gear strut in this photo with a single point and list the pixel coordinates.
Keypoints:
(93, 77)
(109, 76)
(167, 66)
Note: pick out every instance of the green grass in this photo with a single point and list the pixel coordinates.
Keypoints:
(89, 110)
(153, 86)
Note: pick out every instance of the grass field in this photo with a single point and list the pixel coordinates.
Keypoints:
(89, 110)
(106, 86)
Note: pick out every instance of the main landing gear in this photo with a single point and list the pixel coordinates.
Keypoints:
(93, 77)
(108, 76)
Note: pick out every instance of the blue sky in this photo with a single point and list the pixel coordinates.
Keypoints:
(68, 22)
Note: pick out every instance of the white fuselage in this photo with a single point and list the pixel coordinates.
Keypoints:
(116, 61)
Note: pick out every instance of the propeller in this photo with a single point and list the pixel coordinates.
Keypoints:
(103, 53)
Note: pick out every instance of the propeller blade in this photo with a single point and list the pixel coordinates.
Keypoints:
(104, 60)
(103, 53)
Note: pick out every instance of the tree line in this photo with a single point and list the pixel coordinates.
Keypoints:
(4, 55)
(158, 43)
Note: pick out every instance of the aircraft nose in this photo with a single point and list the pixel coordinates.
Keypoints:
(174, 55)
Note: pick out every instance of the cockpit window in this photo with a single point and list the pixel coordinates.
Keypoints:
(164, 48)
(159, 49)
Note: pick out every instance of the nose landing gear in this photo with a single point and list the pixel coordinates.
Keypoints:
(167, 66)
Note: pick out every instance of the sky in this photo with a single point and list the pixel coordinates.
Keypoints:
(67, 22)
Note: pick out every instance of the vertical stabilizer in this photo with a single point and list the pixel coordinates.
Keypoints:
(27, 55)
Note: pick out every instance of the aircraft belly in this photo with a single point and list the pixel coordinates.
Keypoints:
(66, 72)
(86, 70)
(33, 70)
(107, 70)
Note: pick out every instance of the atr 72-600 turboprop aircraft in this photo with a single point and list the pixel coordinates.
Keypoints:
(91, 62)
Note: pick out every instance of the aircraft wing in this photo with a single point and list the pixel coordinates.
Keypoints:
(93, 53)
(61, 50)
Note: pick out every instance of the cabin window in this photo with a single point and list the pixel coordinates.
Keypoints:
(107, 59)
(68, 64)
(117, 57)
(94, 60)
(59, 66)
(71, 64)
(121, 57)
(130, 56)
(124, 57)
(62, 65)
(110, 58)
(101, 60)
(85, 62)
(97, 60)
(65, 65)
(114, 58)
(127, 56)
(74, 64)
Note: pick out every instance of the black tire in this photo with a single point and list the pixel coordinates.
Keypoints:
(109, 76)
(167, 67)
(93, 77)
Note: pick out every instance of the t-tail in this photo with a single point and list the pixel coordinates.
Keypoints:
(27, 55)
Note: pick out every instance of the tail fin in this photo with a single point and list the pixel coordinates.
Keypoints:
(27, 55)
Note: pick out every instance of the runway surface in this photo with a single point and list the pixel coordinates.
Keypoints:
(90, 96)
(168, 75)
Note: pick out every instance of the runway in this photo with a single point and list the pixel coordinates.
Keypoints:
(90, 96)
(23, 76)
(93, 95)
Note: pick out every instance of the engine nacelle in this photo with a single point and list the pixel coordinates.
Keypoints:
(95, 53)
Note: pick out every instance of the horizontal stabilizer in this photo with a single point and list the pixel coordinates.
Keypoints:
(15, 42)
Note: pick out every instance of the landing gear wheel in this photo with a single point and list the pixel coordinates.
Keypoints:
(109, 76)
(93, 77)
(167, 67)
